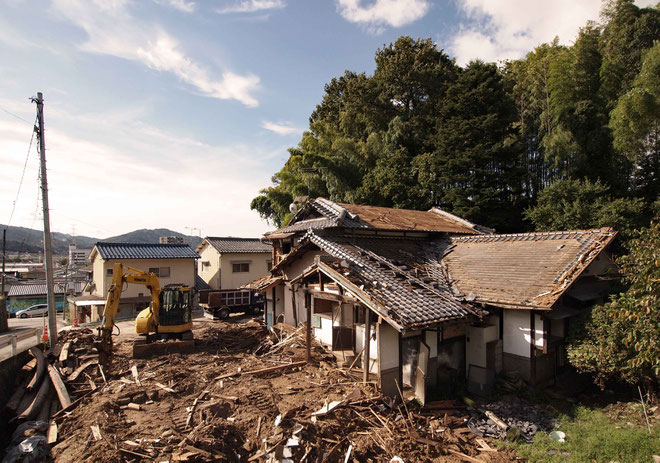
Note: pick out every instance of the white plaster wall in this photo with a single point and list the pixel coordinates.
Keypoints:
(517, 332)
(475, 345)
(324, 334)
(373, 346)
(389, 347)
(258, 268)
(538, 330)
(181, 271)
(288, 305)
(211, 273)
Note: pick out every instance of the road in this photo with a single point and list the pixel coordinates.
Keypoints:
(18, 326)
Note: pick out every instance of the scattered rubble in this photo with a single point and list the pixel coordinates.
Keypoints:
(244, 394)
(510, 418)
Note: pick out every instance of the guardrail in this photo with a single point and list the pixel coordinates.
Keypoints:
(13, 339)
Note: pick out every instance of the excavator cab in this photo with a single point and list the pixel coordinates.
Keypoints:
(175, 304)
(168, 317)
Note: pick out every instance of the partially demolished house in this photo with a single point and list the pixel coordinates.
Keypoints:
(442, 301)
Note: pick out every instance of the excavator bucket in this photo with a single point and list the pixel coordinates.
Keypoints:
(149, 347)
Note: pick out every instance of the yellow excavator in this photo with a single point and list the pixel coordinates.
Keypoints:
(168, 317)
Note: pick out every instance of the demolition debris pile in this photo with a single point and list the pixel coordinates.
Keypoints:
(245, 394)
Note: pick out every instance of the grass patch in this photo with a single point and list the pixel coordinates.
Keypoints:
(592, 436)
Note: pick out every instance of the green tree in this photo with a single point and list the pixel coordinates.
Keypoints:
(635, 123)
(473, 170)
(580, 204)
(627, 32)
(620, 341)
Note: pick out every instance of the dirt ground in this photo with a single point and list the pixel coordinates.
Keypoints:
(210, 405)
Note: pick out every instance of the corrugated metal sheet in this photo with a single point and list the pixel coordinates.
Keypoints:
(522, 270)
(145, 251)
(238, 245)
(39, 289)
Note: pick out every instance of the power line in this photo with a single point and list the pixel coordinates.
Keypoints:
(20, 184)
(15, 115)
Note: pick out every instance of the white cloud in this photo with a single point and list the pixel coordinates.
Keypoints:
(252, 6)
(281, 128)
(181, 5)
(508, 29)
(97, 183)
(380, 13)
(111, 30)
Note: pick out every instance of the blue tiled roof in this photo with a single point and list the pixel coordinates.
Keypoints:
(200, 284)
(145, 251)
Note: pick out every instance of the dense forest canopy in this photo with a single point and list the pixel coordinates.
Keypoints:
(513, 146)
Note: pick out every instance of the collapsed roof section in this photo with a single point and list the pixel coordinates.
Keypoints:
(395, 283)
(525, 270)
(321, 213)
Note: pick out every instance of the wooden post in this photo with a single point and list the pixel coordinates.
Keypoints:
(532, 347)
(308, 307)
(367, 345)
(400, 360)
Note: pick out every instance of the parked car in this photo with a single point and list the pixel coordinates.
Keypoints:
(39, 310)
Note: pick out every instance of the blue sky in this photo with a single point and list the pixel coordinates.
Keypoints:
(174, 113)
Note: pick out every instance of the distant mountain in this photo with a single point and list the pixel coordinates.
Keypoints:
(27, 240)
(153, 236)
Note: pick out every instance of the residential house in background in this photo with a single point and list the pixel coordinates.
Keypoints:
(78, 257)
(172, 263)
(444, 301)
(23, 295)
(171, 240)
(229, 263)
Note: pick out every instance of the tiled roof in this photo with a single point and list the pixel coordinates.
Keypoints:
(237, 245)
(40, 289)
(321, 213)
(200, 284)
(522, 270)
(410, 298)
(145, 251)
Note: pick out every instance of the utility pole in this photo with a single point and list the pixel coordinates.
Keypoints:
(4, 325)
(48, 251)
(65, 308)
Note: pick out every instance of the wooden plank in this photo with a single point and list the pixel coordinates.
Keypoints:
(41, 368)
(165, 388)
(465, 457)
(64, 353)
(263, 370)
(73, 405)
(52, 432)
(496, 420)
(134, 371)
(96, 432)
(60, 388)
(74, 376)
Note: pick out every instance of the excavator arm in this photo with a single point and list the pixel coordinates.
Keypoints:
(112, 302)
